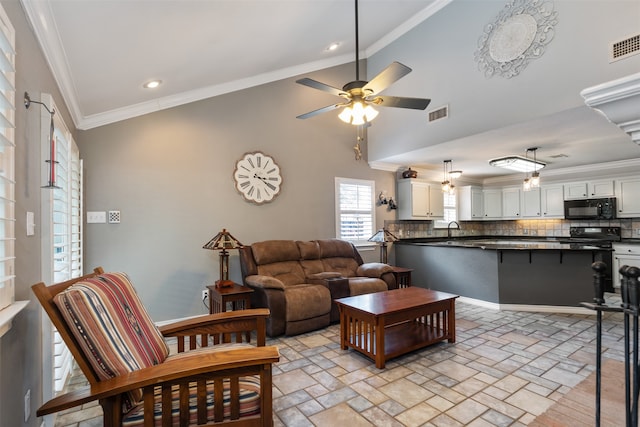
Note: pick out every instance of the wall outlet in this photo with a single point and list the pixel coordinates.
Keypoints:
(205, 294)
(27, 405)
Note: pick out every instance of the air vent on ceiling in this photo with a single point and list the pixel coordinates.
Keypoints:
(557, 156)
(439, 113)
(624, 48)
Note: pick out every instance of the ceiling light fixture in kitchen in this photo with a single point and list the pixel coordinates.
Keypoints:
(448, 176)
(517, 163)
(534, 181)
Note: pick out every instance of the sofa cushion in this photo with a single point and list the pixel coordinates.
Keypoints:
(309, 250)
(312, 267)
(271, 251)
(335, 248)
(347, 267)
(288, 272)
(373, 269)
(307, 301)
(112, 327)
(366, 285)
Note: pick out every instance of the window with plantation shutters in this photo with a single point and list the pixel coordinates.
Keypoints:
(354, 209)
(450, 211)
(7, 161)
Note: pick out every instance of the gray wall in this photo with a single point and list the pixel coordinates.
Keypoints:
(170, 175)
(21, 347)
(441, 53)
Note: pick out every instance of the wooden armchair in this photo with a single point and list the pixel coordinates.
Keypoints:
(127, 363)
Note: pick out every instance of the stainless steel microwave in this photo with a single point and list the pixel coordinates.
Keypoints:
(604, 208)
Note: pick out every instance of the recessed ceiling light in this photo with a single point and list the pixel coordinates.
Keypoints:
(332, 46)
(152, 84)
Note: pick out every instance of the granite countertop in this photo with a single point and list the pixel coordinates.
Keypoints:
(512, 243)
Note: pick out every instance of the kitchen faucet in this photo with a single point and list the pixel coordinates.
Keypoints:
(449, 228)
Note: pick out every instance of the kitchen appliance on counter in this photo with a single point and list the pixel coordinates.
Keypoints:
(603, 208)
(602, 239)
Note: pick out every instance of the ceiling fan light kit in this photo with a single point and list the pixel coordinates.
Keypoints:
(360, 95)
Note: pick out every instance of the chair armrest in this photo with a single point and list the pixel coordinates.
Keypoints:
(169, 372)
(266, 282)
(373, 269)
(207, 323)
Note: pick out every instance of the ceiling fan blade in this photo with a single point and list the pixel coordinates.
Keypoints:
(319, 111)
(321, 86)
(400, 102)
(386, 78)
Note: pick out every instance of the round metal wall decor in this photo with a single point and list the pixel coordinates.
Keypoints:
(519, 34)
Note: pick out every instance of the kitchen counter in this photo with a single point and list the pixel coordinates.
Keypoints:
(506, 271)
(501, 244)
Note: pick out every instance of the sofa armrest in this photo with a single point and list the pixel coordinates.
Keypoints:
(264, 282)
(373, 269)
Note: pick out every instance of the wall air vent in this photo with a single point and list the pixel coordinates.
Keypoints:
(439, 113)
(624, 48)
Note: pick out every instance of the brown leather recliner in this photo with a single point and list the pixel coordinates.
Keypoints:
(298, 281)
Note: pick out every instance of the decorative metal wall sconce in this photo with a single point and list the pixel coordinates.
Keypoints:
(383, 200)
(52, 142)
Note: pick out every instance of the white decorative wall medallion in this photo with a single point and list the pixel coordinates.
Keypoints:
(520, 33)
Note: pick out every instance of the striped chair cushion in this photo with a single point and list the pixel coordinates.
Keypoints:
(249, 403)
(112, 327)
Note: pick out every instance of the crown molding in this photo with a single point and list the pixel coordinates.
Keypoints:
(618, 101)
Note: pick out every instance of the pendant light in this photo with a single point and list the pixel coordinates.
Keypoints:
(534, 181)
(448, 177)
(535, 176)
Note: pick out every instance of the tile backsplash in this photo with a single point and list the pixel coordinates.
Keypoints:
(630, 228)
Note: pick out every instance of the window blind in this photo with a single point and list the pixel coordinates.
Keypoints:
(355, 216)
(7, 160)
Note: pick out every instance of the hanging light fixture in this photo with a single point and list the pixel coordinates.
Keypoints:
(534, 181)
(446, 184)
(448, 177)
(535, 176)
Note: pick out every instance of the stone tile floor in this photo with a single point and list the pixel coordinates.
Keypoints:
(504, 369)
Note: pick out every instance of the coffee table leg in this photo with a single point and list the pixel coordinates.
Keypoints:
(451, 321)
(343, 329)
(379, 350)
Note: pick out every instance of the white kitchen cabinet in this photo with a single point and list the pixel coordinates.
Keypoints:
(511, 203)
(419, 200)
(628, 197)
(531, 203)
(624, 254)
(492, 201)
(589, 189)
(470, 203)
(552, 201)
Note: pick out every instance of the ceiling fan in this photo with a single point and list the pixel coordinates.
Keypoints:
(360, 95)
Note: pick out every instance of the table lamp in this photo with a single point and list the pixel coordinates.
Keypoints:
(383, 236)
(221, 242)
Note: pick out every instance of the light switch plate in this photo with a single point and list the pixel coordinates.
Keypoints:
(31, 224)
(96, 217)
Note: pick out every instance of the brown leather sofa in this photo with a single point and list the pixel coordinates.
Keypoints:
(298, 281)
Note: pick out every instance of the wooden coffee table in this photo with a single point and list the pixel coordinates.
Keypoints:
(384, 325)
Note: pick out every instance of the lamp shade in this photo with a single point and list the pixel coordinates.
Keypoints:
(221, 242)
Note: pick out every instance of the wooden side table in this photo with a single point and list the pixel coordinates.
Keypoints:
(403, 276)
(239, 296)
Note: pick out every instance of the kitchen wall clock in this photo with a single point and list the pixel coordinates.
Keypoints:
(257, 177)
(518, 35)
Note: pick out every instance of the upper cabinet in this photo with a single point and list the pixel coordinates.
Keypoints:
(492, 201)
(419, 200)
(511, 203)
(531, 203)
(628, 197)
(589, 189)
(470, 203)
(552, 201)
